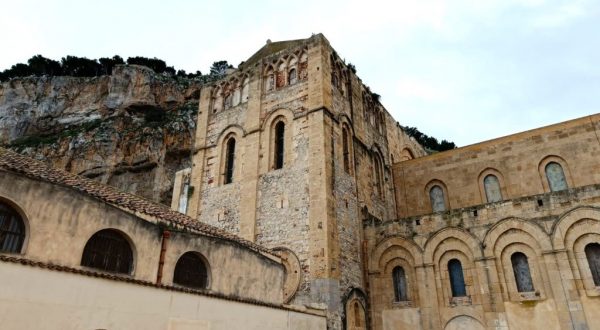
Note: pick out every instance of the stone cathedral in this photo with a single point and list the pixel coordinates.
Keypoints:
(307, 206)
(295, 153)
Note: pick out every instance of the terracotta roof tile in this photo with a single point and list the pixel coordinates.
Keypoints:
(14, 162)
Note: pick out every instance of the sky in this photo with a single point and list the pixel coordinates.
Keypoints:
(465, 71)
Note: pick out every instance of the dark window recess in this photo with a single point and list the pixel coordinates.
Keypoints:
(592, 253)
(522, 274)
(191, 271)
(12, 230)
(279, 145)
(418, 222)
(399, 278)
(357, 322)
(457, 280)
(229, 160)
(474, 213)
(346, 150)
(108, 250)
(540, 202)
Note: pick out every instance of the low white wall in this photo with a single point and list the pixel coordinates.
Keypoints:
(36, 298)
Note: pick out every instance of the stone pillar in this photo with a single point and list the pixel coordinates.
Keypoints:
(428, 299)
(250, 161)
(198, 158)
(566, 297)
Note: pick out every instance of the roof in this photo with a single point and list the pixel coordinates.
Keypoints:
(271, 48)
(136, 205)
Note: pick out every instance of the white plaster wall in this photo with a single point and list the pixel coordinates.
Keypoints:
(35, 298)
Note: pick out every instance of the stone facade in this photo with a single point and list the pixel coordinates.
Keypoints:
(551, 228)
(336, 146)
(55, 215)
(351, 197)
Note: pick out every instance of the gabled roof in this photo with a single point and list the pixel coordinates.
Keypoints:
(271, 48)
(136, 205)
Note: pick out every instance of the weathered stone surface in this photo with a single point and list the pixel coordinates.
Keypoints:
(132, 130)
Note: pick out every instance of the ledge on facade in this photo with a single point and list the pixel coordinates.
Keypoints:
(131, 279)
(539, 201)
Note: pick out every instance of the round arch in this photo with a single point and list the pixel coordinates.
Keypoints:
(451, 232)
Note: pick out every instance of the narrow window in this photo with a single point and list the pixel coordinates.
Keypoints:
(245, 85)
(492, 189)
(378, 175)
(436, 196)
(399, 278)
(556, 177)
(292, 77)
(229, 160)
(191, 271)
(356, 314)
(279, 145)
(271, 82)
(108, 250)
(522, 274)
(457, 280)
(592, 253)
(280, 79)
(12, 230)
(346, 149)
(228, 101)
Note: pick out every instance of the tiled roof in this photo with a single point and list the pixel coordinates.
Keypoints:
(14, 162)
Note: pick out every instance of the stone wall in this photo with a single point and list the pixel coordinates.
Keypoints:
(517, 160)
(60, 221)
(65, 301)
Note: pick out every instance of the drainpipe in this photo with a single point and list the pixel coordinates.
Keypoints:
(161, 261)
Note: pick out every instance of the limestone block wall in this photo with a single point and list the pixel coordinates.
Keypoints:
(517, 160)
(551, 229)
(65, 301)
(59, 221)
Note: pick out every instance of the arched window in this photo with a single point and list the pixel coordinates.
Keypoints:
(292, 77)
(228, 101)
(278, 157)
(522, 274)
(592, 253)
(12, 230)
(492, 188)
(356, 315)
(108, 250)
(399, 278)
(191, 271)
(438, 201)
(457, 280)
(378, 168)
(237, 95)
(217, 100)
(346, 149)
(270, 80)
(280, 80)
(229, 160)
(245, 84)
(556, 177)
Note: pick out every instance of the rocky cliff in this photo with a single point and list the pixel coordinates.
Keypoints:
(133, 129)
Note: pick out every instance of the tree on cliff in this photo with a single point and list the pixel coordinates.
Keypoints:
(109, 63)
(80, 66)
(219, 68)
(84, 67)
(429, 142)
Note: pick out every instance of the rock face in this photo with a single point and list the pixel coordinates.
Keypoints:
(133, 129)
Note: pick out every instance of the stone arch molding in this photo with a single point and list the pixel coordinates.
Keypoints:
(391, 243)
(502, 226)
(568, 220)
(451, 233)
(464, 322)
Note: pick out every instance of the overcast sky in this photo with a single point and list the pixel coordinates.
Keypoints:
(465, 71)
